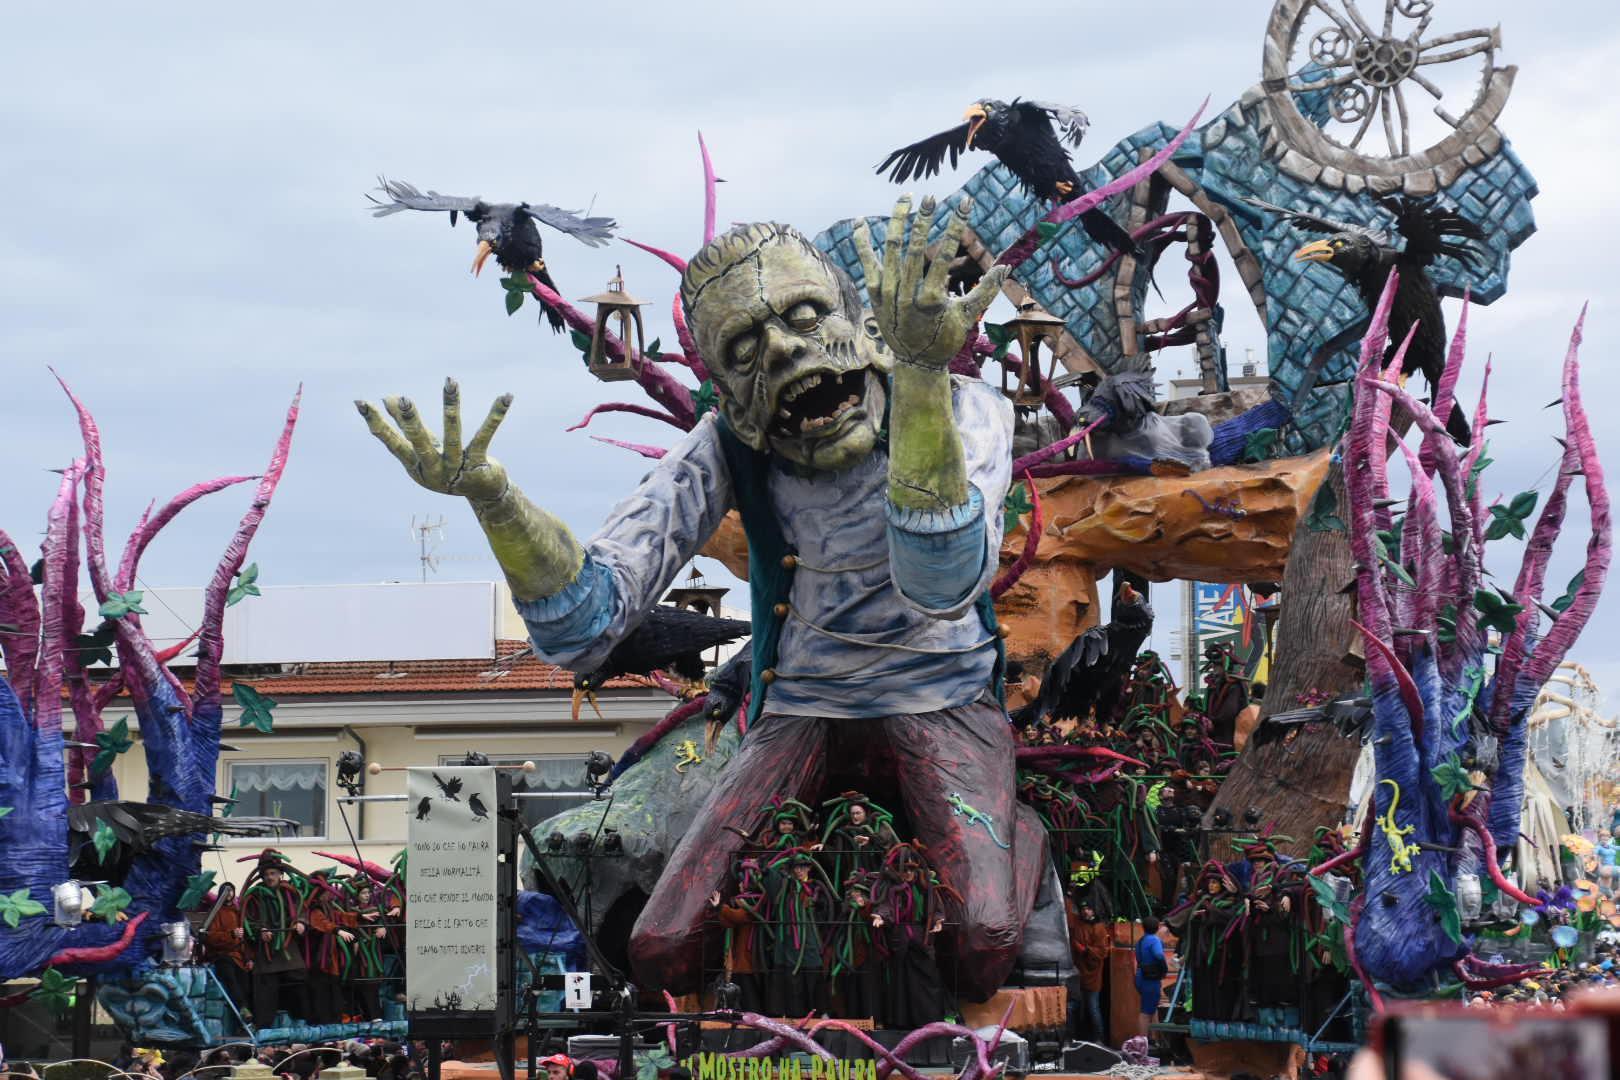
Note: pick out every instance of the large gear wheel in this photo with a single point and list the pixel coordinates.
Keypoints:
(1368, 75)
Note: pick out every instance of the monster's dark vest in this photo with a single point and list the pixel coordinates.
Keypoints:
(771, 564)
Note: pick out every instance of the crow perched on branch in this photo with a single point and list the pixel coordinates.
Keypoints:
(667, 639)
(1089, 677)
(1365, 257)
(1023, 135)
(506, 230)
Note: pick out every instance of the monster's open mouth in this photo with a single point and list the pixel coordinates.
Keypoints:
(814, 403)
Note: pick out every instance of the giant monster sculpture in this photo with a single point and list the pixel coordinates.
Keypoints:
(1450, 719)
(43, 772)
(870, 482)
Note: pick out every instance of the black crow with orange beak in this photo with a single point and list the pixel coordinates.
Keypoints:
(505, 230)
(1024, 137)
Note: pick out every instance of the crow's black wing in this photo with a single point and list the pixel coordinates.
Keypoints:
(1427, 227)
(591, 231)
(404, 196)
(1309, 222)
(924, 158)
(667, 634)
(1068, 685)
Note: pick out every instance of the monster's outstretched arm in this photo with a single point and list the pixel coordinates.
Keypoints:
(936, 515)
(536, 551)
(578, 602)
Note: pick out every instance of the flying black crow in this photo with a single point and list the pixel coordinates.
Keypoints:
(1024, 137)
(423, 807)
(667, 639)
(476, 805)
(450, 789)
(506, 230)
(1365, 257)
(1090, 675)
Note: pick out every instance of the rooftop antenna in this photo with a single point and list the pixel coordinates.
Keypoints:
(426, 530)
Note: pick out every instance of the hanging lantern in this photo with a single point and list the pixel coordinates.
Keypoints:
(616, 303)
(1031, 326)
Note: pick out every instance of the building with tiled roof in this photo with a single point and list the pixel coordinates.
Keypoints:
(505, 703)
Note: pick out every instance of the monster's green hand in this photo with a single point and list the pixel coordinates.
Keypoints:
(924, 326)
(535, 549)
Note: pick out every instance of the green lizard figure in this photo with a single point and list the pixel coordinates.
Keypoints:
(1400, 852)
(960, 808)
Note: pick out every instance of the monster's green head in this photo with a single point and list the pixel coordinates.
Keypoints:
(801, 367)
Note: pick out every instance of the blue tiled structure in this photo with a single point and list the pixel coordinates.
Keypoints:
(1307, 303)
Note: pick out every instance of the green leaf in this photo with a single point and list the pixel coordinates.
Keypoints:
(1451, 777)
(1398, 570)
(112, 742)
(96, 646)
(4, 810)
(655, 350)
(1478, 468)
(1014, 506)
(997, 333)
(1561, 604)
(706, 398)
(582, 342)
(1337, 909)
(197, 886)
(1446, 622)
(1260, 445)
(1046, 230)
(255, 707)
(57, 991)
(18, 906)
(246, 585)
(104, 839)
(1473, 683)
(514, 301)
(1443, 901)
(1509, 520)
(109, 902)
(1448, 543)
(1324, 515)
(118, 605)
(1496, 611)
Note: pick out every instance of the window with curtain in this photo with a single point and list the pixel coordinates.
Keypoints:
(556, 779)
(289, 789)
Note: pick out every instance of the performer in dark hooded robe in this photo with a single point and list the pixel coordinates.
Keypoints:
(273, 918)
(744, 919)
(910, 903)
(857, 980)
(801, 906)
(1212, 945)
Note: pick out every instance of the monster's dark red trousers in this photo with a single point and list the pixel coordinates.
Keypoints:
(965, 751)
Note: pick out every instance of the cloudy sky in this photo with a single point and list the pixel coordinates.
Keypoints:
(186, 237)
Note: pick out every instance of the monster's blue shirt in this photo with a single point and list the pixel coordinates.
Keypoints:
(881, 616)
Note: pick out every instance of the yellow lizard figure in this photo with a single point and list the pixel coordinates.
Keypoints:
(687, 754)
(1400, 852)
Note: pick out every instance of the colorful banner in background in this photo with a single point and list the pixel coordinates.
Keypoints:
(1227, 615)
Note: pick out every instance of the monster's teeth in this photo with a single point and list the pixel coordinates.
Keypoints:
(814, 381)
(784, 414)
(804, 425)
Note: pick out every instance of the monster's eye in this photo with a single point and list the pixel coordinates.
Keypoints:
(1339, 243)
(743, 349)
(803, 316)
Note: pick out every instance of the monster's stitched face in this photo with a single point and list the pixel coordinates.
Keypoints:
(801, 367)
